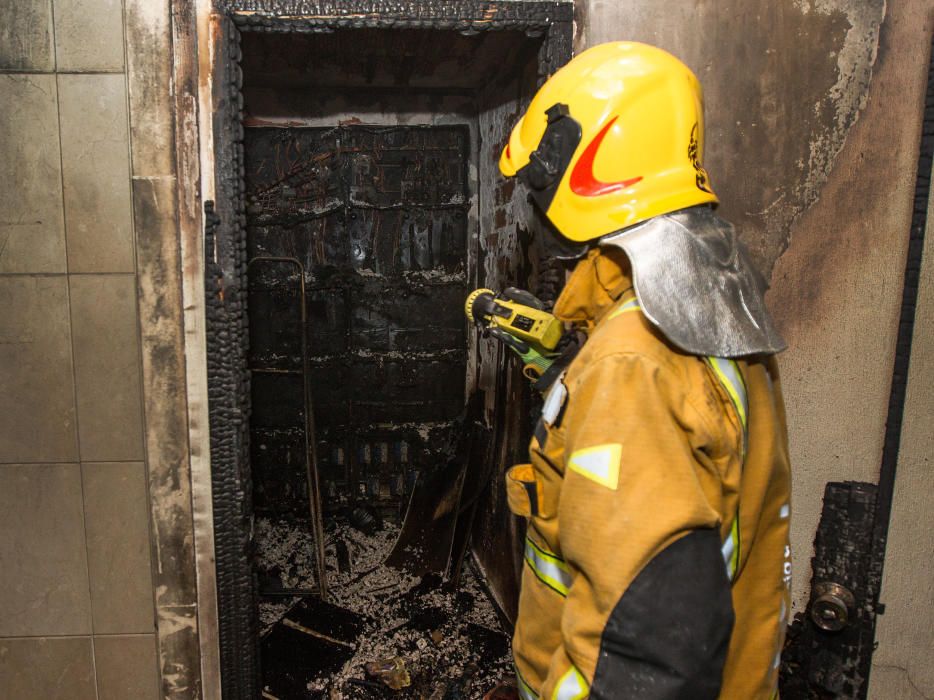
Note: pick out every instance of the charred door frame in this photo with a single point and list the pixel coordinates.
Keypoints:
(225, 258)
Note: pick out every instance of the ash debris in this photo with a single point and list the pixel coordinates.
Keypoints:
(449, 641)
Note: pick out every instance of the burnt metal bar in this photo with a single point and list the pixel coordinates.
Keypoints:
(311, 461)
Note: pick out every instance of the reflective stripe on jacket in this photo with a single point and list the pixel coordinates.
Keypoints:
(650, 471)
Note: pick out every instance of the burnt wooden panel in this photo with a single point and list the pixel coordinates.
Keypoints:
(378, 218)
(818, 664)
(228, 380)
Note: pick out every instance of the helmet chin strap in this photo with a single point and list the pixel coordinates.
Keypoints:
(553, 244)
(562, 249)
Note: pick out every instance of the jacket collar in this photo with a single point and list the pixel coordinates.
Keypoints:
(594, 287)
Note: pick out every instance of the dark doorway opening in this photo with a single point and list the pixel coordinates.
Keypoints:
(358, 203)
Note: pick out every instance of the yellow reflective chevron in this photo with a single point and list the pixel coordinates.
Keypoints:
(548, 567)
(730, 548)
(572, 686)
(727, 371)
(631, 305)
(599, 463)
(731, 379)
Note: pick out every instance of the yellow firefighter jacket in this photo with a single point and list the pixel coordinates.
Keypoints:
(657, 562)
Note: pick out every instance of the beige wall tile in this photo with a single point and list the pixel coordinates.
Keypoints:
(96, 172)
(44, 576)
(149, 66)
(37, 401)
(107, 373)
(26, 35)
(32, 237)
(47, 669)
(126, 667)
(116, 512)
(89, 35)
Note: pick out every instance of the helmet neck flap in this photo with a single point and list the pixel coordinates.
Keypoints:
(696, 284)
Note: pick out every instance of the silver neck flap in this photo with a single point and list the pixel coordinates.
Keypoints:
(696, 284)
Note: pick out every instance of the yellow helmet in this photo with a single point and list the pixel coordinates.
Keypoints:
(613, 138)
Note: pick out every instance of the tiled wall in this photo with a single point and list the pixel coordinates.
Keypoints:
(76, 609)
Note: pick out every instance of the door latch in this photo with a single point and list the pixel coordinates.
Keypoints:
(832, 606)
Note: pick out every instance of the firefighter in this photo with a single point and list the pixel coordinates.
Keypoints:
(657, 562)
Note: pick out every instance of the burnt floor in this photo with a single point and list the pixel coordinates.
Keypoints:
(440, 643)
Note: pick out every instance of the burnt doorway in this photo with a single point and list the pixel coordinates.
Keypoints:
(358, 201)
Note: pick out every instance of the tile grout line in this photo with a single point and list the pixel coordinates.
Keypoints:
(54, 462)
(87, 564)
(67, 274)
(129, 162)
(74, 369)
(77, 636)
(36, 71)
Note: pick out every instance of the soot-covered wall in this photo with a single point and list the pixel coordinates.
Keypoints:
(814, 119)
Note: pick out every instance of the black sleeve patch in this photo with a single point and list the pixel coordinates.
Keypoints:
(668, 636)
(531, 489)
(541, 433)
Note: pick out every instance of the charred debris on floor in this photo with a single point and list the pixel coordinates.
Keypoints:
(383, 633)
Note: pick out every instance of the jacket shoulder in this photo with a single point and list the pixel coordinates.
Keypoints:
(626, 331)
(629, 337)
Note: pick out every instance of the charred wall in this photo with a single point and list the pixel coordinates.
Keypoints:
(814, 117)
(800, 101)
(900, 667)
(508, 258)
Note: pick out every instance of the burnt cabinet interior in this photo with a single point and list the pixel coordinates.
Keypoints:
(376, 220)
(364, 203)
(372, 205)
